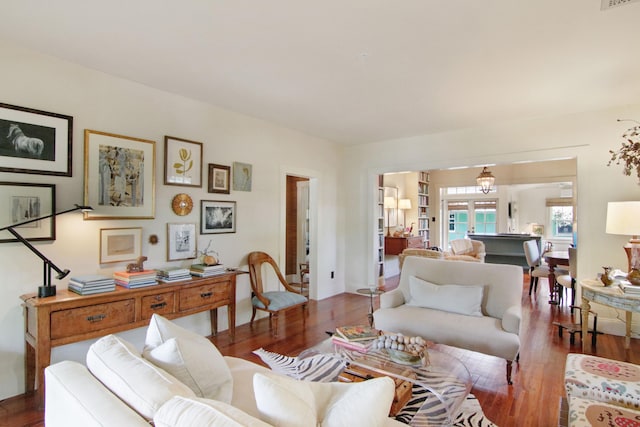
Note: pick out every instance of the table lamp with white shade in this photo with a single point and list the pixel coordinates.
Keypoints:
(624, 218)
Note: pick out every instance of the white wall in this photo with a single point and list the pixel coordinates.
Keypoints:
(105, 103)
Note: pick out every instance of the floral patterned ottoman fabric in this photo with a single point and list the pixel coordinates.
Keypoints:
(585, 412)
(601, 379)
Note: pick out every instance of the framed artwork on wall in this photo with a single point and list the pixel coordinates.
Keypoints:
(242, 176)
(182, 162)
(181, 240)
(219, 178)
(119, 176)
(34, 141)
(120, 244)
(217, 217)
(23, 202)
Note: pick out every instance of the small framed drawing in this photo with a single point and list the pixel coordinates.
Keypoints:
(182, 162)
(217, 217)
(242, 176)
(119, 176)
(181, 239)
(24, 202)
(34, 141)
(120, 244)
(537, 229)
(219, 178)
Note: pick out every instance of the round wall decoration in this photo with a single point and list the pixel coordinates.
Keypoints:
(182, 204)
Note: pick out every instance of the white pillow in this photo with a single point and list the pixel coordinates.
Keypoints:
(139, 383)
(452, 298)
(183, 412)
(191, 358)
(286, 402)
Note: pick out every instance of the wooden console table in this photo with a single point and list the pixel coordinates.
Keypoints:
(395, 245)
(68, 317)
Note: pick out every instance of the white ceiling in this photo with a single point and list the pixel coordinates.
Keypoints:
(353, 71)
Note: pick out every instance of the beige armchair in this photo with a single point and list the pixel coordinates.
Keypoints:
(466, 250)
(427, 253)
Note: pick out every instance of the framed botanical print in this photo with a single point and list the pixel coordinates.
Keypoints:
(181, 240)
(24, 202)
(217, 217)
(219, 178)
(34, 141)
(182, 162)
(120, 244)
(242, 176)
(119, 176)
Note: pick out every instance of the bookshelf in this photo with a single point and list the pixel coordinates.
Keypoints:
(423, 206)
(379, 264)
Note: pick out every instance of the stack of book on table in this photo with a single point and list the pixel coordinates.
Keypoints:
(173, 274)
(137, 279)
(628, 288)
(91, 284)
(203, 270)
(356, 337)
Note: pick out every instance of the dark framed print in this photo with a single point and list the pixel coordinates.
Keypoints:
(26, 201)
(120, 244)
(119, 176)
(182, 162)
(34, 141)
(181, 240)
(219, 178)
(217, 217)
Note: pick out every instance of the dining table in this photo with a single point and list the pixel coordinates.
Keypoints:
(553, 260)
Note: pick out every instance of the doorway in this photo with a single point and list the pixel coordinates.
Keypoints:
(297, 239)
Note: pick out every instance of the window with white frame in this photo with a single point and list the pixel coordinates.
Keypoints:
(561, 215)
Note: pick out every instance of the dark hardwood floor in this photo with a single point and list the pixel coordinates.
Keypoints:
(533, 400)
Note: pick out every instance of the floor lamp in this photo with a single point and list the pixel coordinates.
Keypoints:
(404, 205)
(46, 290)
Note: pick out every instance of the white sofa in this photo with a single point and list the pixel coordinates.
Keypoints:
(474, 306)
(120, 386)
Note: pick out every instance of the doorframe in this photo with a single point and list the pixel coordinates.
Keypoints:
(313, 177)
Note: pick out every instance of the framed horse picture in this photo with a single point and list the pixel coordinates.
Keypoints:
(34, 141)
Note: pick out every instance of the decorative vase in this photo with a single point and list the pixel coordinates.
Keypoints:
(606, 278)
(634, 276)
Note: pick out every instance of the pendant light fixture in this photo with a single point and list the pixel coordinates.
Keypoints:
(486, 180)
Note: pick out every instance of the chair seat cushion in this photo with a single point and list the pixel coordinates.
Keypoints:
(279, 300)
(606, 380)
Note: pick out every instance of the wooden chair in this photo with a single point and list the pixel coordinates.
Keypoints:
(568, 281)
(273, 302)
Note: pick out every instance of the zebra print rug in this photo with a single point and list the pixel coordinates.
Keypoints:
(322, 367)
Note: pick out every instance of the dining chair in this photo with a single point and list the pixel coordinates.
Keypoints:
(534, 261)
(273, 302)
(568, 281)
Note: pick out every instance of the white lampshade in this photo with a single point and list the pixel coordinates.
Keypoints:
(624, 218)
(404, 204)
(389, 202)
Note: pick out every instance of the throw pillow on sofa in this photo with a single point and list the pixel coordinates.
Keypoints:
(142, 385)
(459, 299)
(189, 357)
(184, 412)
(286, 402)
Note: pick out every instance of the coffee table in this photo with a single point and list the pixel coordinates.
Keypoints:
(445, 379)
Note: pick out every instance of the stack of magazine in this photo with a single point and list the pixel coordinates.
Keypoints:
(137, 279)
(628, 288)
(91, 284)
(173, 274)
(203, 270)
(356, 337)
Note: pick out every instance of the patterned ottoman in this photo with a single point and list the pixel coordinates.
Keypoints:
(585, 412)
(601, 379)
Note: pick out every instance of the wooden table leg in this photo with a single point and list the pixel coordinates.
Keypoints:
(585, 323)
(214, 321)
(627, 337)
(231, 316)
(553, 299)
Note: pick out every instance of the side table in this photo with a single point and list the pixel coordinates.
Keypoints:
(371, 292)
(612, 296)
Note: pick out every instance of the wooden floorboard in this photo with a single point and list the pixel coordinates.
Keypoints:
(534, 400)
